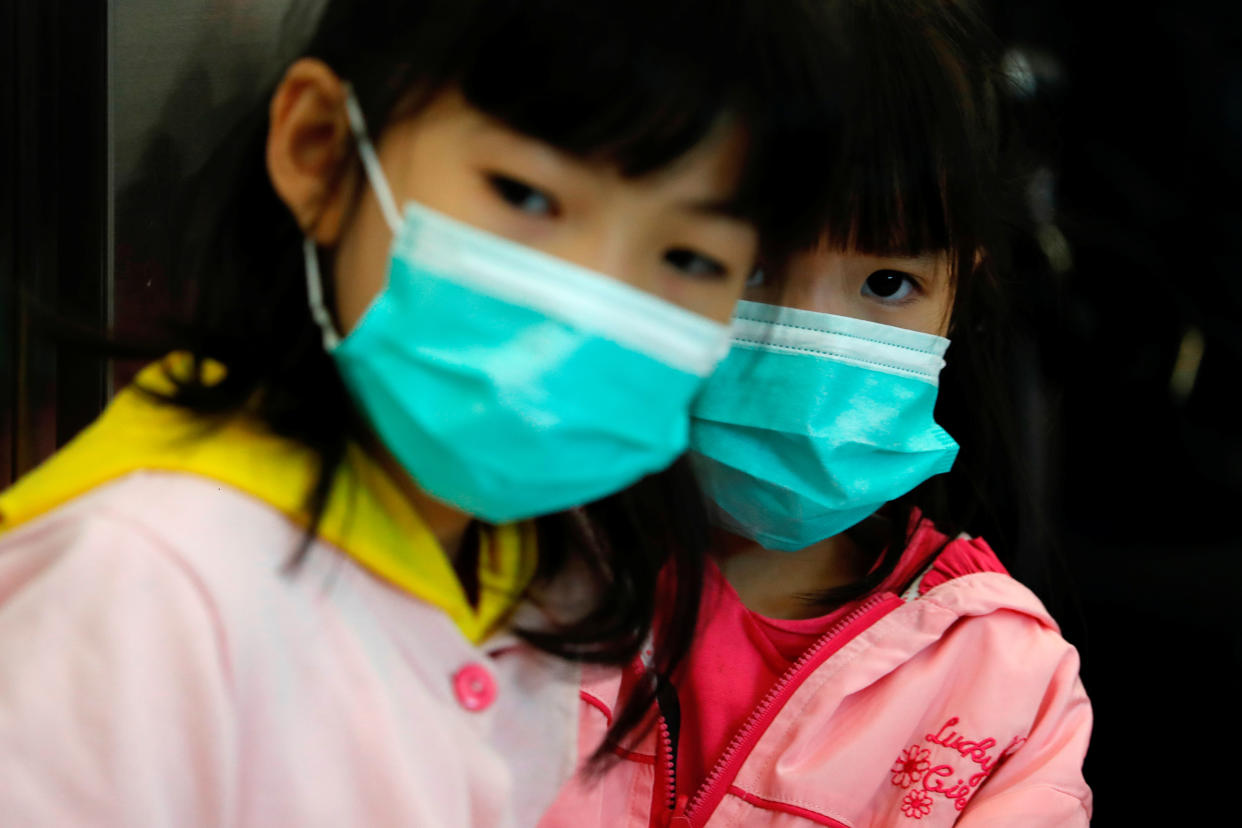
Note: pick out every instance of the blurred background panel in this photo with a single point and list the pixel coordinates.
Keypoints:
(105, 107)
(181, 74)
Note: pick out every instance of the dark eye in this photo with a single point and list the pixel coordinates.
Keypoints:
(694, 264)
(524, 197)
(757, 278)
(889, 285)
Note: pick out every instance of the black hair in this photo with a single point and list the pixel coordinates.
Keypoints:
(635, 83)
(926, 162)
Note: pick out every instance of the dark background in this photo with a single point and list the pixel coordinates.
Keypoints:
(1144, 354)
(1131, 431)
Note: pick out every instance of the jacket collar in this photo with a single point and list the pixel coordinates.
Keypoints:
(366, 517)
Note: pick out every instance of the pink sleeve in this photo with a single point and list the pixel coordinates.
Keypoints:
(115, 706)
(1041, 784)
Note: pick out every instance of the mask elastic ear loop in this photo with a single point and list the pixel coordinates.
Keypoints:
(370, 161)
(388, 206)
(314, 295)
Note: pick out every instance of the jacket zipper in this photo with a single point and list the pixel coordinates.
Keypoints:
(668, 761)
(669, 708)
(713, 789)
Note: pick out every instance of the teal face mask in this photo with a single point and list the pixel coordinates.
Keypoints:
(814, 421)
(507, 382)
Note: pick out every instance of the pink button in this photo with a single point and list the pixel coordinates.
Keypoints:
(475, 687)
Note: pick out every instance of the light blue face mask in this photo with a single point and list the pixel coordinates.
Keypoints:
(507, 382)
(814, 421)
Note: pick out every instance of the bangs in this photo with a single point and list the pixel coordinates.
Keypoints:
(636, 84)
(916, 153)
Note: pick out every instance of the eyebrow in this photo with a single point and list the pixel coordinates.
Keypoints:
(729, 207)
(929, 260)
(897, 259)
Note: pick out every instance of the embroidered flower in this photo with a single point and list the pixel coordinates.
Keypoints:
(917, 804)
(910, 766)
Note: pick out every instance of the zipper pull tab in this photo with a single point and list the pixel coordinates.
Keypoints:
(679, 818)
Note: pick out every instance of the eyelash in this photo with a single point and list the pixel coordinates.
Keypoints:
(515, 193)
(688, 262)
(915, 287)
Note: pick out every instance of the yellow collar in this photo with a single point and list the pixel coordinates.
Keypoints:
(366, 517)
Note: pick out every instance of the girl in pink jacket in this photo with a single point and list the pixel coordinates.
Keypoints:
(280, 581)
(859, 661)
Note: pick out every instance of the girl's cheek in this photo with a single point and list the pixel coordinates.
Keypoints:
(719, 301)
(767, 293)
(361, 267)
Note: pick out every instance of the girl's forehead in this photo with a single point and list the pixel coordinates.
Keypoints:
(826, 259)
(705, 178)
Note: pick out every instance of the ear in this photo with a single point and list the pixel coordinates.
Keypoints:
(310, 149)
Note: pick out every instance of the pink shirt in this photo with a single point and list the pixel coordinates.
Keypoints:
(732, 662)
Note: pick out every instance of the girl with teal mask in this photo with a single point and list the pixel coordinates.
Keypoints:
(412, 451)
(859, 658)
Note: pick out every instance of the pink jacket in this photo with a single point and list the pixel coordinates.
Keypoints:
(158, 667)
(957, 703)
